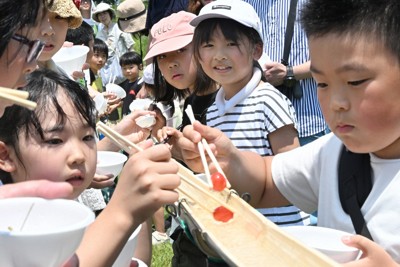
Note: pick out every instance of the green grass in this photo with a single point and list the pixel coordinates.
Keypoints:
(162, 255)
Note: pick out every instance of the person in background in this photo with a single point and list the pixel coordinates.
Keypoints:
(118, 42)
(358, 89)
(273, 16)
(131, 65)
(86, 8)
(159, 9)
(97, 61)
(63, 15)
(131, 17)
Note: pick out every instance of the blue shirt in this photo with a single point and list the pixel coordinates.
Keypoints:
(273, 15)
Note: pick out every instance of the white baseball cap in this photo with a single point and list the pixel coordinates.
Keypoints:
(237, 10)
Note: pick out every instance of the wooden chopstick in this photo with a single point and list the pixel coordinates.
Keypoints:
(125, 144)
(203, 144)
(118, 139)
(17, 97)
(15, 92)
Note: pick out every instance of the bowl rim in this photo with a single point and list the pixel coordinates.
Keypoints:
(310, 229)
(117, 154)
(90, 217)
(85, 51)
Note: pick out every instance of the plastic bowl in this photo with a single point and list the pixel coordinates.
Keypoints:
(116, 89)
(109, 162)
(40, 232)
(72, 58)
(100, 103)
(146, 121)
(126, 254)
(326, 240)
(140, 104)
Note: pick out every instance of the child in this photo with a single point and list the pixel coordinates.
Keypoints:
(98, 60)
(57, 142)
(175, 77)
(253, 114)
(131, 64)
(175, 71)
(63, 15)
(358, 85)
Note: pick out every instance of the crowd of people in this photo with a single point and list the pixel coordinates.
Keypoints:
(224, 59)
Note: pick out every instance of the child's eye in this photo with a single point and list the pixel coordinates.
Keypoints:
(321, 85)
(206, 45)
(53, 141)
(232, 44)
(355, 83)
(89, 137)
(181, 50)
(162, 56)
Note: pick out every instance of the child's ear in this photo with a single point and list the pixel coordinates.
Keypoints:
(258, 51)
(6, 163)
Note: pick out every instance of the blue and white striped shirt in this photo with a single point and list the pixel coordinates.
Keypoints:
(273, 15)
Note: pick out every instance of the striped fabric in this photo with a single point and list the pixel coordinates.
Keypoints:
(247, 119)
(273, 16)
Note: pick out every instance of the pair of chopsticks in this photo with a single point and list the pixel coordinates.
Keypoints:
(17, 97)
(204, 145)
(117, 138)
(126, 145)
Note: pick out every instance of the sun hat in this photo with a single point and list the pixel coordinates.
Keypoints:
(101, 8)
(148, 75)
(171, 33)
(66, 9)
(237, 10)
(131, 16)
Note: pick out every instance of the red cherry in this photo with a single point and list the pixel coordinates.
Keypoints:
(222, 214)
(218, 181)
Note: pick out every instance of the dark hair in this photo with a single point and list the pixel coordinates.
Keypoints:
(99, 46)
(16, 14)
(194, 6)
(44, 86)
(130, 58)
(204, 31)
(165, 92)
(81, 35)
(375, 20)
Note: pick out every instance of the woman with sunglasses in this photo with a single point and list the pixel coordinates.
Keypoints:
(19, 49)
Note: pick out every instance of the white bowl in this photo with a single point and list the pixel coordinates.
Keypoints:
(40, 232)
(326, 240)
(109, 162)
(72, 58)
(126, 254)
(140, 104)
(146, 121)
(116, 89)
(100, 103)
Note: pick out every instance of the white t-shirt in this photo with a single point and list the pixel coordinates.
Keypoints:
(308, 178)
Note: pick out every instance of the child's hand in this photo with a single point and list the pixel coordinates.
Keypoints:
(147, 182)
(171, 136)
(217, 140)
(79, 74)
(160, 119)
(142, 93)
(372, 253)
(127, 127)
